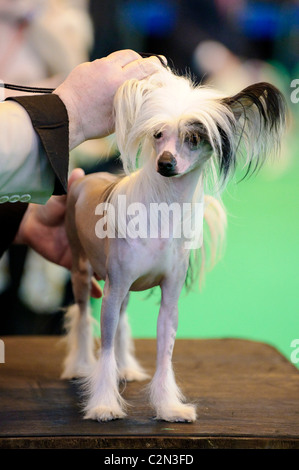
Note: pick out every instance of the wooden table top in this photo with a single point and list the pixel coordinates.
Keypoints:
(246, 395)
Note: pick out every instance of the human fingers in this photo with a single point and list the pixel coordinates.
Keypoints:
(161, 57)
(123, 57)
(96, 290)
(76, 174)
(126, 56)
(142, 68)
(53, 212)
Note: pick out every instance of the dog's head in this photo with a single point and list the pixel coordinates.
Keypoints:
(181, 147)
(175, 125)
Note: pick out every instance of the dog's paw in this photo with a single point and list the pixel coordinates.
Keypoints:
(104, 413)
(130, 369)
(77, 370)
(178, 413)
(131, 374)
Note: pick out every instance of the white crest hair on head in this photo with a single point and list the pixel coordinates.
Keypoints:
(248, 123)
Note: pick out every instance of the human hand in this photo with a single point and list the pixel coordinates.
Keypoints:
(89, 90)
(42, 228)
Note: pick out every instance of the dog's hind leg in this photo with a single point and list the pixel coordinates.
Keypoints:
(128, 366)
(165, 395)
(78, 323)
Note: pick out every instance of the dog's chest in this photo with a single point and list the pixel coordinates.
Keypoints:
(149, 261)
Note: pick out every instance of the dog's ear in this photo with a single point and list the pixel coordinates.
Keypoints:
(128, 103)
(259, 113)
(266, 99)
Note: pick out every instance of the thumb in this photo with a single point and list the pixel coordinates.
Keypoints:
(76, 174)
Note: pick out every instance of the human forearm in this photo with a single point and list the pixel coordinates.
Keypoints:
(25, 171)
(49, 120)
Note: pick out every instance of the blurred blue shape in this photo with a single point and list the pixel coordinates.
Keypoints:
(152, 18)
(262, 20)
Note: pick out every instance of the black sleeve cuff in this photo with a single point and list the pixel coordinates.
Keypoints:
(50, 120)
(11, 215)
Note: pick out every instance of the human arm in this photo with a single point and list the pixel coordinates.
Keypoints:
(85, 105)
(25, 172)
(80, 108)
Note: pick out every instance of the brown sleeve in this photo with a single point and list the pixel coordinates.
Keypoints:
(50, 120)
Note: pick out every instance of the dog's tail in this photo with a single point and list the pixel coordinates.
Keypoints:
(205, 258)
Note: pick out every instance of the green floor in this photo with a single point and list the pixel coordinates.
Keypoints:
(253, 292)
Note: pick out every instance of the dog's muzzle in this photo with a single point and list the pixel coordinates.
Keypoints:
(167, 164)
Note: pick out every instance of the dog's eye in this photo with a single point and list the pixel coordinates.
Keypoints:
(193, 141)
(158, 135)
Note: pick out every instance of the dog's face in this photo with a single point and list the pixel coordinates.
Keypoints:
(179, 149)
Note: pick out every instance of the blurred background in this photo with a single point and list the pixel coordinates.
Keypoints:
(252, 293)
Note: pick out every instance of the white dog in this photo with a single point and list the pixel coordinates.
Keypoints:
(174, 139)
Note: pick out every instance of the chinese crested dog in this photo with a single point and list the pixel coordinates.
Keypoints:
(177, 142)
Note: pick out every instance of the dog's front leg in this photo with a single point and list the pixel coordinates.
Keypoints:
(166, 397)
(104, 400)
(129, 367)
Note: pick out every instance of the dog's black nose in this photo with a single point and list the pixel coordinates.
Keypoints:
(167, 164)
